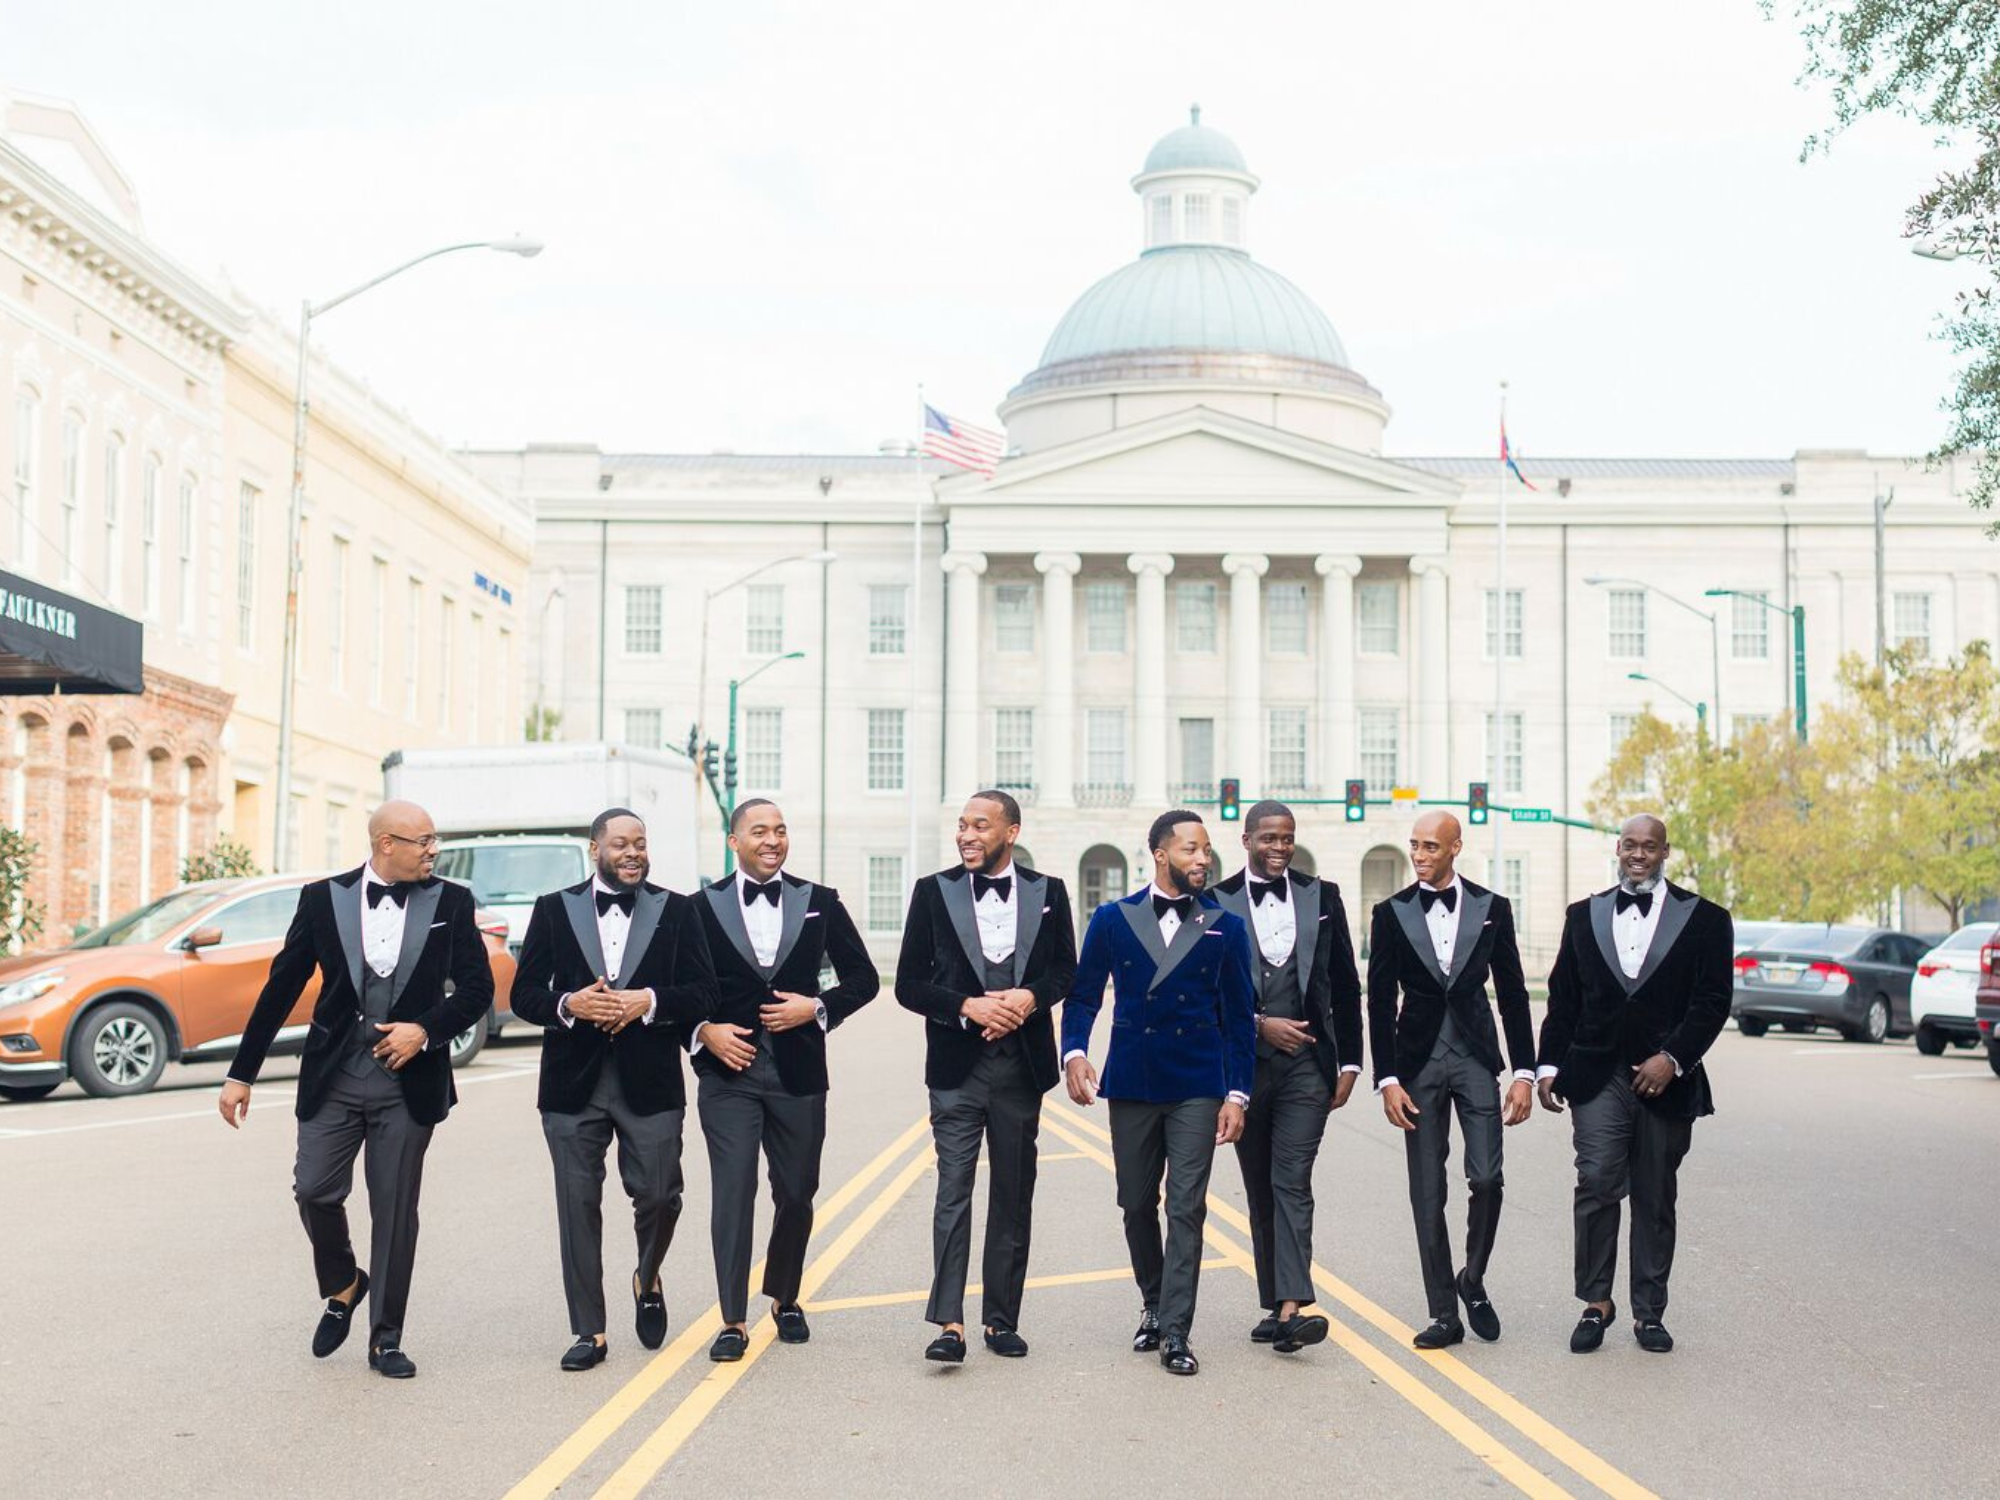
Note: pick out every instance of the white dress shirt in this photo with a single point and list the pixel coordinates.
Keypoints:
(1443, 925)
(1276, 924)
(998, 919)
(381, 926)
(614, 925)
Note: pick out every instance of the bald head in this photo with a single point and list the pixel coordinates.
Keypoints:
(1435, 839)
(402, 841)
(1643, 825)
(1438, 824)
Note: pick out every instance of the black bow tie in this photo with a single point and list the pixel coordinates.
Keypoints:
(1641, 899)
(768, 889)
(621, 899)
(1449, 896)
(398, 893)
(1275, 889)
(1004, 884)
(1180, 906)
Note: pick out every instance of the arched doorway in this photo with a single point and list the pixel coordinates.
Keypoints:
(1384, 871)
(1101, 877)
(1023, 857)
(1303, 861)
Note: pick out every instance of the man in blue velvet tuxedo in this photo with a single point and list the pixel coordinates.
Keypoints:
(1183, 1052)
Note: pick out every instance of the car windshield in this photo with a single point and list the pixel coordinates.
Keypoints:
(1804, 939)
(150, 922)
(511, 874)
(1974, 936)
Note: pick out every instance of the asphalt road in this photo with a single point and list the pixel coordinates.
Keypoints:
(1838, 1243)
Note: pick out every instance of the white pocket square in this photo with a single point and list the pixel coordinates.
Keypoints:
(1045, 911)
(811, 914)
(436, 925)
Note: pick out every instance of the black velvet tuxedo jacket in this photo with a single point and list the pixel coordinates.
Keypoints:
(665, 952)
(942, 965)
(1599, 1021)
(817, 932)
(1402, 962)
(1324, 949)
(443, 983)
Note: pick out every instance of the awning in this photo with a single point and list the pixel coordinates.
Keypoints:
(52, 643)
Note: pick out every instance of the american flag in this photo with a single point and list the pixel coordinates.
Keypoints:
(961, 443)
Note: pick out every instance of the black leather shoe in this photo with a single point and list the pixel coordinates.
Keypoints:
(1301, 1330)
(792, 1327)
(1177, 1359)
(1442, 1334)
(1653, 1336)
(392, 1362)
(649, 1315)
(584, 1354)
(729, 1346)
(1147, 1339)
(1265, 1332)
(338, 1318)
(1478, 1311)
(946, 1349)
(1006, 1343)
(1588, 1335)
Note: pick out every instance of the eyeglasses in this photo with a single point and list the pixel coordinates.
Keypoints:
(428, 841)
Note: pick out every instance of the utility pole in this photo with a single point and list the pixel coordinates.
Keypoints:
(1882, 504)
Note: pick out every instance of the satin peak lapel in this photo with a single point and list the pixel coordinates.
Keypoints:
(728, 907)
(1673, 921)
(646, 910)
(347, 895)
(957, 895)
(796, 899)
(1410, 912)
(1030, 892)
(1600, 926)
(582, 909)
(417, 915)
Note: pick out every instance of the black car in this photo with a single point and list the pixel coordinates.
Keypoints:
(1804, 976)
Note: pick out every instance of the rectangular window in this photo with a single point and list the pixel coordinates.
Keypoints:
(888, 618)
(885, 749)
(72, 493)
(27, 424)
(446, 609)
(1195, 216)
(413, 617)
(1104, 746)
(1194, 616)
(1512, 626)
(1285, 619)
(1628, 623)
(1160, 227)
(1014, 618)
(246, 566)
(1232, 220)
(378, 627)
(1505, 772)
(1910, 622)
(149, 537)
(1378, 739)
(334, 845)
(475, 646)
(295, 831)
(1013, 747)
(1750, 627)
(1741, 725)
(885, 892)
(1621, 727)
(1511, 881)
(763, 749)
(184, 525)
(642, 728)
(764, 619)
(1378, 625)
(114, 518)
(1286, 739)
(336, 616)
(643, 619)
(1197, 752)
(1104, 617)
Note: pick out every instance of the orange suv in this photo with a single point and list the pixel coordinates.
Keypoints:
(173, 981)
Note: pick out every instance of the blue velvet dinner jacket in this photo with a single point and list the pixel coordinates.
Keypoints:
(1183, 1016)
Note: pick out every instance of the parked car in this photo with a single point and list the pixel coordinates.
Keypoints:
(1807, 976)
(1986, 1002)
(1942, 994)
(1750, 935)
(174, 980)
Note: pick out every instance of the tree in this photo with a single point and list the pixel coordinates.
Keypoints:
(1936, 62)
(542, 723)
(21, 919)
(225, 859)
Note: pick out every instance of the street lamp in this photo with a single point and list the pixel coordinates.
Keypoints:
(729, 756)
(701, 668)
(527, 249)
(1714, 629)
(542, 646)
(1700, 709)
(1798, 614)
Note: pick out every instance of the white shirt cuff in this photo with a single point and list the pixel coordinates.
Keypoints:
(1073, 1052)
(652, 1009)
(562, 1012)
(1676, 1062)
(1383, 1083)
(1350, 1067)
(1238, 1098)
(1524, 1075)
(1545, 1071)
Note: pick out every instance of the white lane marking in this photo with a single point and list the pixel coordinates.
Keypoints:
(484, 1076)
(1943, 1077)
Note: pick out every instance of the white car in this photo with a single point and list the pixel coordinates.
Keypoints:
(1941, 993)
(506, 872)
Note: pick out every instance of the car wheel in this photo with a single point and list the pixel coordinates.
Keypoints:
(1993, 1057)
(1751, 1026)
(27, 1093)
(1874, 1024)
(1930, 1041)
(119, 1049)
(467, 1044)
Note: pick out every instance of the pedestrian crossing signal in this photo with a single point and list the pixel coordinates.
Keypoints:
(1476, 810)
(1230, 795)
(1357, 801)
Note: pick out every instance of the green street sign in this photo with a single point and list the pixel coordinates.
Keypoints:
(1531, 815)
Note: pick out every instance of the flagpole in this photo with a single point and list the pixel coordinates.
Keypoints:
(1497, 740)
(914, 644)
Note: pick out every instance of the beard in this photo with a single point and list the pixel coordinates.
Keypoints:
(1184, 882)
(992, 859)
(1640, 887)
(608, 873)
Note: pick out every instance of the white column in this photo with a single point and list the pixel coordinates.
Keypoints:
(1055, 735)
(1243, 751)
(1336, 669)
(1430, 720)
(961, 694)
(1149, 679)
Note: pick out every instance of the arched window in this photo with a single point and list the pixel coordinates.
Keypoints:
(1303, 861)
(1101, 877)
(1023, 857)
(1384, 871)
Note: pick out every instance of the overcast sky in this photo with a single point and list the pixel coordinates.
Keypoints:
(767, 223)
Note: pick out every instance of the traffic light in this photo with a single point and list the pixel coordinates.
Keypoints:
(1357, 801)
(1230, 795)
(709, 765)
(1475, 802)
